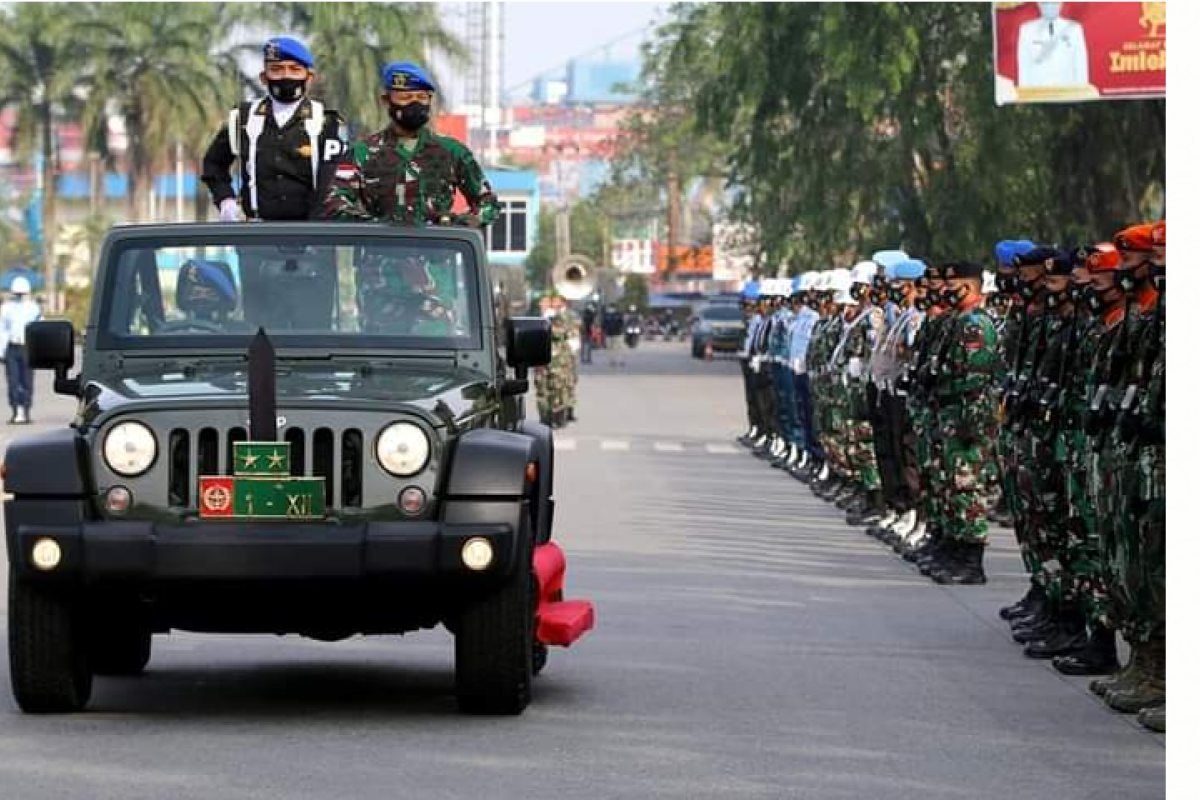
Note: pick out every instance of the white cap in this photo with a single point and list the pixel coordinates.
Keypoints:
(808, 280)
(839, 280)
(20, 285)
(863, 272)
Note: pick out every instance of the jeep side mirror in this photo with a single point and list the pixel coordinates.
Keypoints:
(527, 345)
(528, 342)
(51, 345)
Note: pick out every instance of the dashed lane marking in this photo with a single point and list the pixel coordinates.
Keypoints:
(720, 449)
(668, 447)
(614, 445)
(564, 444)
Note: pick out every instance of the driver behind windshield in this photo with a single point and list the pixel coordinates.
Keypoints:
(398, 294)
(205, 292)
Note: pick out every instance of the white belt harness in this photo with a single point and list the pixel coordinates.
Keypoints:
(254, 129)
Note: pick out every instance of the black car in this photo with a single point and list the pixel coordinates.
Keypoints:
(306, 428)
(722, 325)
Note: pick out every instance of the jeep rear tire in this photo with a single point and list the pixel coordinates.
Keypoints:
(493, 669)
(122, 649)
(46, 654)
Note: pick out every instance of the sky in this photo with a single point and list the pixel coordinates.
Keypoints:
(543, 36)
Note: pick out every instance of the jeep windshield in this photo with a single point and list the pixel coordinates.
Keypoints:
(209, 291)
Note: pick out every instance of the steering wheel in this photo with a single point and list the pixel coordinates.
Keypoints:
(178, 325)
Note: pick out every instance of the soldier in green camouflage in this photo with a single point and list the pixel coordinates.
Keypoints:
(922, 410)
(406, 174)
(1127, 473)
(967, 426)
(864, 328)
(554, 382)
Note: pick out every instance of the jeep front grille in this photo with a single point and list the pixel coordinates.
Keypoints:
(333, 454)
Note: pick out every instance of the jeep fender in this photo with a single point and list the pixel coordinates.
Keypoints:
(487, 481)
(53, 463)
(543, 452)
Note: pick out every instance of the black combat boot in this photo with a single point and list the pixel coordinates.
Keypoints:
(856, 502)
(809, 471)
(917, 554)
(965, 569)
(1038, 630)
(1097, 657)
(1033, 597)
(938, 557)
(571, 414)
(847, 496)
(1070, 638)
(872, 511)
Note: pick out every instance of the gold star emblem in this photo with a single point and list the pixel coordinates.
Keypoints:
(275, 460)
(249, 460)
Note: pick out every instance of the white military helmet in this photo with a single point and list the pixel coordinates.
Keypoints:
(20, 285)
(989, 281)
(863, 272)
(840, 281)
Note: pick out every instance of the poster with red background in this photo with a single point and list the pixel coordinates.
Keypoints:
(1079, 51)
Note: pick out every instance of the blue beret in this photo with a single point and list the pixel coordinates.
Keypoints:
(1009, 249)
(887, 258)
(285, 48)
(909, 270)
(406, 77)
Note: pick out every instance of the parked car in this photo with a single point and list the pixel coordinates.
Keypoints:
(722, 325)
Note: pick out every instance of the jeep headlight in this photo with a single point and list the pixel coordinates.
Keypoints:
(402, 449)
(129, 448)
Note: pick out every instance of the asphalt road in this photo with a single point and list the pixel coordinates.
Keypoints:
(749, 644)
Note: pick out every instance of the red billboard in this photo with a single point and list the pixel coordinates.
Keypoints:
(1068, 52)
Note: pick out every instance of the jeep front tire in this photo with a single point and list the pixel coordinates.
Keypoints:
(46, 651)
(494, 645)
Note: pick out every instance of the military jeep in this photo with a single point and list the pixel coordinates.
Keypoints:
(287, 428)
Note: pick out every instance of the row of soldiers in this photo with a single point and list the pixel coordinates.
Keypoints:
(918, 397)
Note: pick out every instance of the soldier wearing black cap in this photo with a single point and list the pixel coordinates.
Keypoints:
(966, 415)
(288, 145)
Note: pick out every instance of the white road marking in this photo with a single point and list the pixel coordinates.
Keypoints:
(668, 447)
(614, 445)
(564, 444)
(720, 449)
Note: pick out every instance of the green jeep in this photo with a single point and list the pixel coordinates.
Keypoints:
(304, 428)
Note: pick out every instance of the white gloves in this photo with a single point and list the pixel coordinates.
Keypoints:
(230, 210)
(855, 368)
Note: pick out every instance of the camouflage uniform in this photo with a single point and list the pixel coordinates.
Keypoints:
(922, 410)
(554, 381)
(832, 412)
(379, 179)
(1032, 518)
(860, 336)
(967, 423)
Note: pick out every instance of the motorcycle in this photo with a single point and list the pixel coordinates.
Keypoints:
(632, 334)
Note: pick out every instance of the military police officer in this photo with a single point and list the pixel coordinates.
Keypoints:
(406, 173)
(287, 143)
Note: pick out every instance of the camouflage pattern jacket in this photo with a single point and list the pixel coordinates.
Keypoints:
(380, 180)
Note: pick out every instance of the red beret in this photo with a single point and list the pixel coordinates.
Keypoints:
(1135, 237)
(1106, 258)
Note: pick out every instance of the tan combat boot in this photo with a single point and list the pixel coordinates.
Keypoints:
(1149, 692)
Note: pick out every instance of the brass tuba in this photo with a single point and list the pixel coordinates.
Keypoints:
(575, 277)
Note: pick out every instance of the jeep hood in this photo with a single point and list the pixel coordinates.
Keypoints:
(434, 389)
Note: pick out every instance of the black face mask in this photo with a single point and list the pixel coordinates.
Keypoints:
(1077, 292)
(1006, 283)
(1096, 300)
(1028, 290)
(1127, 281)
(922, 303)
(410, 116)
(1158, 274)
(287, 90)
(1055, 299)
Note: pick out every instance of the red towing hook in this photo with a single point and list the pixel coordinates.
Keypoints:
(559, 622)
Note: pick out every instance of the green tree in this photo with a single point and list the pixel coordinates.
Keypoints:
(352, 41)
(45, 54)
(152, 70)
(845, 127)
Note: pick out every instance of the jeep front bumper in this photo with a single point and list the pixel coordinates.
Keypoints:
(129, 550)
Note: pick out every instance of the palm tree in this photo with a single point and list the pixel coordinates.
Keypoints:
(44, 55)
(154, 69)
(352, 41)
